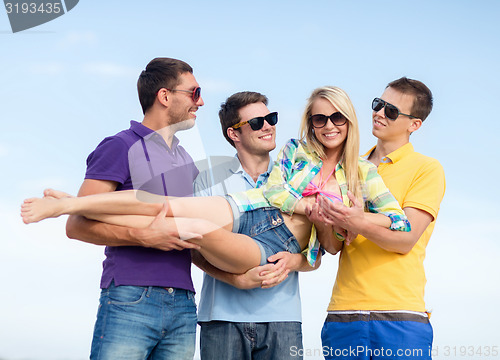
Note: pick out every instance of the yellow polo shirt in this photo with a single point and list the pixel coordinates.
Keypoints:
(370, 278)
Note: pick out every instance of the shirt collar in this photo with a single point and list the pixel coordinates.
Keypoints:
(394, 156)
(400, 153)
(140, 129)
(236, 167)
(147, 133)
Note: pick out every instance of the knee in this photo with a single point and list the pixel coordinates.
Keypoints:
(202, 226)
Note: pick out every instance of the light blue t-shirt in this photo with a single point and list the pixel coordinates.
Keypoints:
(223, 302)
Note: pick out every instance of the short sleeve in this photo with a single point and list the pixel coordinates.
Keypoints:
(427, 190)
(109, 161)
(201, 184)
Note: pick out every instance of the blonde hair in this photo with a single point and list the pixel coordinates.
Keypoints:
(350, 153)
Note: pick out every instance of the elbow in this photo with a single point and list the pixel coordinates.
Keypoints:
(332, 250)
(317, 264)
(71, 227)
(406, 248)
(402, 251)
(76, 227)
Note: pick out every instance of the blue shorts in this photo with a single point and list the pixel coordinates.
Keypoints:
(368, 335)
(267, 227)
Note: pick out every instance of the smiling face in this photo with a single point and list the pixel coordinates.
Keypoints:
(332, 137)
(258, 142)
(182, 109)
(394, 130)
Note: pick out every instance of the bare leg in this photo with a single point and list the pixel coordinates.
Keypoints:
(225, 250)
(234, 253)
(119, 202)
(130, 202)
(55, 194)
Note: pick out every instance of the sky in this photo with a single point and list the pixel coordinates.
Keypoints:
(67, 84)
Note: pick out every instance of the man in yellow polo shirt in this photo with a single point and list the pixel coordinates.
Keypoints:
(377, 307)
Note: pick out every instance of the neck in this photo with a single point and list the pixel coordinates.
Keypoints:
(157, 123)
(254, 164)
(384, 148)
(332, 156)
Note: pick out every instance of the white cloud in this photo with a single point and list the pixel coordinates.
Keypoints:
(80, 38)
(110, 69)
(47, 68)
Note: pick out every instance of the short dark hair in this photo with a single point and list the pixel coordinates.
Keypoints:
(229, 111)
(159, 73)
(422, 102)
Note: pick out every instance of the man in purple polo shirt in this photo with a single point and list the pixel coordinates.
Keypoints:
(147, 307)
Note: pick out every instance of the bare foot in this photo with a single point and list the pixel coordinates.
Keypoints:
(36, 209)
(55, 194)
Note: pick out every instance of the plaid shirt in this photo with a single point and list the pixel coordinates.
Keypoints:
(295, 167)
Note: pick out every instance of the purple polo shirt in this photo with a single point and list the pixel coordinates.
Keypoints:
(139, 158)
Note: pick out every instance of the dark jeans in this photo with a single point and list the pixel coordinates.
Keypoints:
(250, 341)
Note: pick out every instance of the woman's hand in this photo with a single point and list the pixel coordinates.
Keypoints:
(315, 215)
(337, 214)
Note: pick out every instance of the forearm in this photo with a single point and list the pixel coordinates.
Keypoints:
(400, 241)
(390, 240)
(302, 264)
(303, 204)
(378, 219)
(98, 233)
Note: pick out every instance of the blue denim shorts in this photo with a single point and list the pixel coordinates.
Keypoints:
(267, 227)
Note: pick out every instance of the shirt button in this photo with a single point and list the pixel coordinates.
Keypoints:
(274, 222)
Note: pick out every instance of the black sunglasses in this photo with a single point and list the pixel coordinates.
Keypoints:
(258, 122)
(320, 120)
(195, 94)
(391, 111)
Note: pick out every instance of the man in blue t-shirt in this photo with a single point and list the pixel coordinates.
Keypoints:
(239, 319)
(147, 307)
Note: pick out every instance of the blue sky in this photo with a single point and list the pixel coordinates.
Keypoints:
(68, 83)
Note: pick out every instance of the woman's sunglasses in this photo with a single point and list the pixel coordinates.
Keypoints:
(258, 122)
(320, 120)
(391, 111)
(195, 94)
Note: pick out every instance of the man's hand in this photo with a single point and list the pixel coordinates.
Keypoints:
(270, 275)
(337, 214)
(265, 276)
(162, 236)
(325, 226)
